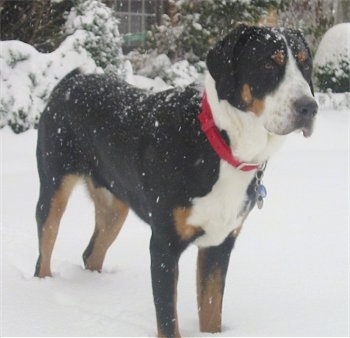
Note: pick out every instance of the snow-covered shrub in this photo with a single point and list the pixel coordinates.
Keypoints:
(178, 74)
(334, 75)
(332, 60)
(101, 36)
(197, 25)
(182, 73)
(27, 78)
(189, 34)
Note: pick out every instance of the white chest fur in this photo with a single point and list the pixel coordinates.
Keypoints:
(217, 213)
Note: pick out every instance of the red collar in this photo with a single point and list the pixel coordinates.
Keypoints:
(217, 142)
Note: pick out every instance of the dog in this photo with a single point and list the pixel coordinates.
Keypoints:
(188, 162)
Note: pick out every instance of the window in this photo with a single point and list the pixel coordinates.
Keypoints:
(136, 18)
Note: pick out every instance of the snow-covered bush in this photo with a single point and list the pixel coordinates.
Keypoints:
(332, 60)
(334, 75)
(27, 78)
(101, 36)
(178, 74)
(189, 34)
(197, 25)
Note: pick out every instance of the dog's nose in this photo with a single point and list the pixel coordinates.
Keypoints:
(306, 107)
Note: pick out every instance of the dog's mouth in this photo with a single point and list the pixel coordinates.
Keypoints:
(307, 131)
(306, 127)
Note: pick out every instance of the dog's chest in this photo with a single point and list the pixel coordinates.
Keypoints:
(218, 213)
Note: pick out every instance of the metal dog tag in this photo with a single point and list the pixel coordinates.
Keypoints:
(260, 202)
(260, 190)
(261, 193)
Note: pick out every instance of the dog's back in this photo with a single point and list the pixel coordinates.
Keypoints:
(81, 108)
(100, 127)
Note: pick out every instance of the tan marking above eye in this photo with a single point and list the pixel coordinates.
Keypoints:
(302, 56)
(279, 58)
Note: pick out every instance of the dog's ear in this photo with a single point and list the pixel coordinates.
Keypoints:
(300, 36)
(312, 88)
(221, 59)
(222, 63)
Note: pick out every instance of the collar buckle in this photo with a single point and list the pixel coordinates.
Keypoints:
(244, 165)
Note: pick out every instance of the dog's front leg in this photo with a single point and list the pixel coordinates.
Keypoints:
(212, 267)
(164, 269)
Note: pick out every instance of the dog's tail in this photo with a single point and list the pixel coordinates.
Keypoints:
(63, 83)
(73, 73)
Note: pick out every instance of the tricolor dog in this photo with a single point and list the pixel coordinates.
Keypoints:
(188, 162)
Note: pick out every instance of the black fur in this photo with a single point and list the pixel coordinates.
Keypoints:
(163, 158)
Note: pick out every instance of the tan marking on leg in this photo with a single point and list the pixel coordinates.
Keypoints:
(183, 229)
(49, 229)
(252, 104)
(212, 265)
(209, 297)
(110, 215)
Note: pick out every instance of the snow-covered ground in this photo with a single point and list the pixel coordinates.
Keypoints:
(289, 273)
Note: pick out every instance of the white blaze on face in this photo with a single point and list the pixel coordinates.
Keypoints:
(280, 116)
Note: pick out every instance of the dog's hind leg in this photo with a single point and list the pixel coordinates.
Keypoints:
(110, 214)
(212, 267)
(54, 195)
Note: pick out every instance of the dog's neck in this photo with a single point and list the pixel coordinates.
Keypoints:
(249, 140)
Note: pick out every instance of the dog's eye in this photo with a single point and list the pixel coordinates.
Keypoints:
(307, 67)
(269, 65)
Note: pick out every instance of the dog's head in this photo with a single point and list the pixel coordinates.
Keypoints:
(266, 71)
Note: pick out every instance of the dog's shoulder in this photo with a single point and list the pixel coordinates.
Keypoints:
(174, 106)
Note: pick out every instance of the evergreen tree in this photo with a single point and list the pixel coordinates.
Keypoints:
(38, 23)
(101, 37)
(334, 75)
